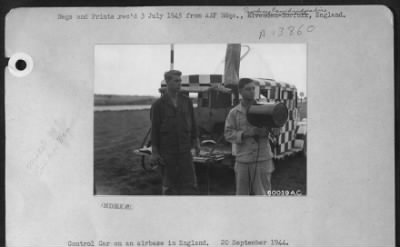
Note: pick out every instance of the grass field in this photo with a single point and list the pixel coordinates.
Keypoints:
(103, 99)
(117, 171)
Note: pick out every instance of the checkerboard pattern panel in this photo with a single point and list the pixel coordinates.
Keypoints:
(199, 80)
(288, 132)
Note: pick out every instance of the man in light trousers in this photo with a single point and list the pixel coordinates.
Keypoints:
(250, 144)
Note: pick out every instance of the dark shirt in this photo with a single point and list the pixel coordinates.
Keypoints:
(173, 129)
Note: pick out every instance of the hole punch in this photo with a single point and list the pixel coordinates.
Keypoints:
(20, 64)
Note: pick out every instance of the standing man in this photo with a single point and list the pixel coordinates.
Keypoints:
(173, 134)
(254, 165)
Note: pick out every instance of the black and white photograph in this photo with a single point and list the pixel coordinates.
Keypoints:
(200, 119)
(194, 126)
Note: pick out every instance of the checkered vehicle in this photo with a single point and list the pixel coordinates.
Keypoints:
(290, 140)
(292, 135)
(214, 102)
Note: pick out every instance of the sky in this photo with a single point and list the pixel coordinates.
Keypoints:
(139, 69)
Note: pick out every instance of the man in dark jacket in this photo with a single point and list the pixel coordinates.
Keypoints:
(173, 135)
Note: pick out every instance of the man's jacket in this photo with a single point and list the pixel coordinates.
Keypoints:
(173, 129)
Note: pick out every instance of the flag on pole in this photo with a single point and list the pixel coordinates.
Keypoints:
(232, 64)
(231, 71)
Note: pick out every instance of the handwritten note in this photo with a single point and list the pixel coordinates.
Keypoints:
(297, 30)
(58, 136)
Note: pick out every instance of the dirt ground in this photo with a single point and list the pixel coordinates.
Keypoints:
(117, 170)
